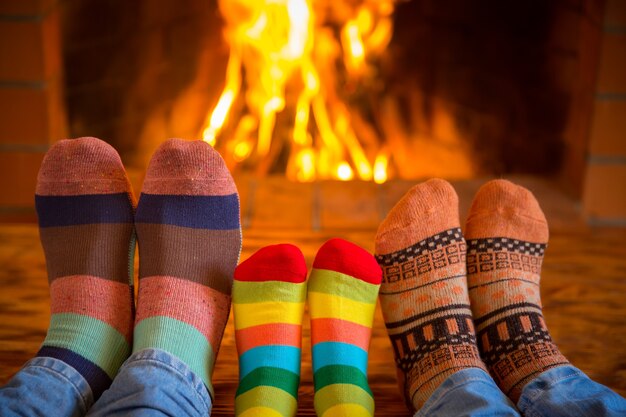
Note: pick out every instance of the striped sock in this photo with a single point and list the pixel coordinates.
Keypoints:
(85, 207)
(424, 291)
(342, 293)
(268, 303)
(189, 243)
(507, 234)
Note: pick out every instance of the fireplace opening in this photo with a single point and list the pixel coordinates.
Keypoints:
(322, 89)
(316, 90)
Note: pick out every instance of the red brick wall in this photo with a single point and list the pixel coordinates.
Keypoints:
(604, 198)
(578, 37)
(32, 112)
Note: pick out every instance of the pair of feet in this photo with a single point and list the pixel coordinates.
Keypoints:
(450, 305)
(187, 225)
(269, 295)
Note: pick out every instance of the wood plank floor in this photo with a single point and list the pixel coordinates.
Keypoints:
(583, 283)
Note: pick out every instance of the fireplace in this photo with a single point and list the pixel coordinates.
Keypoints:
(371, 91)
(474, 89)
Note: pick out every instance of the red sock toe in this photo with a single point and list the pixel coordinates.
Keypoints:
(346, 257)
(283, 262)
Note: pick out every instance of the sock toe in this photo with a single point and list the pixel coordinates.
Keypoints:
(426, 209)
(283, 262)
(503, 209)
(189, 168)
(342, 256)
(82, 166)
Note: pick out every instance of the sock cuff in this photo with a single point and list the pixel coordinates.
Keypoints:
(282, 262)
(347, 258)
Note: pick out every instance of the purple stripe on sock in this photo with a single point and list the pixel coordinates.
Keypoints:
(219, 212)
(83, 209)
(95, 376)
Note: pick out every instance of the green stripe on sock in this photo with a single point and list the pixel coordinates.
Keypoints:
(335, 394)
(179, 339)
(266, 396)
(87, 336)
(340, 374)
(336, 283)
(272, 377)
(245, 292)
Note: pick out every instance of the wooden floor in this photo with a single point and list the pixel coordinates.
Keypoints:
(583, 284)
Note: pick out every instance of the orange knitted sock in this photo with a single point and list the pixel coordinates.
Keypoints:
(506, 236)
(423, 295)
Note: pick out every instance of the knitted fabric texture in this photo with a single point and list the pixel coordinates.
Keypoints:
(342, 295)
(268, 302)
(507, 235)
(85, 208)
(189, 244)
(424, 296)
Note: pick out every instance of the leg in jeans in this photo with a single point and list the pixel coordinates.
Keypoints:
(507, 234)
(42, 385)
(468, 393)
(189, 243)
(425, 303)
(84, 204)
(154, 383)
(567, 392)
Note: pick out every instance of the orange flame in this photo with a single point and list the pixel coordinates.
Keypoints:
(280, 48)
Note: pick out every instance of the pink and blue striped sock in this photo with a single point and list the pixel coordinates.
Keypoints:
(189, 243)
(85, 207)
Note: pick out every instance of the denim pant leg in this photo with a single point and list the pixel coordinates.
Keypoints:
(154, 383)
(468, 393)
(45, 387)
(566, 391)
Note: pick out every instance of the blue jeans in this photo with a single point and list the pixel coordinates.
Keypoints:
(150, 383)
(154, 383)
(559, 392)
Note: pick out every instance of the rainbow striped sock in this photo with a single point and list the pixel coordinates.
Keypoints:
(189, 243)
(268, 302)
(342, 293)
(85, 207)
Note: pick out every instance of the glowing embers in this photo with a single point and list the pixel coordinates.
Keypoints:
(290, 66)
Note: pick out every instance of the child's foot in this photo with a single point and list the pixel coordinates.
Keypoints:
(268, 302)
(342, 296)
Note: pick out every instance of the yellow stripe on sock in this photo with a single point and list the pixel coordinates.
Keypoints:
(260, 412)
(267, 397)
(342, 410)
(248, 315)
(323, 305)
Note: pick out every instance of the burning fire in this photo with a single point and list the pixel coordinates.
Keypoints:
(289, 60)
